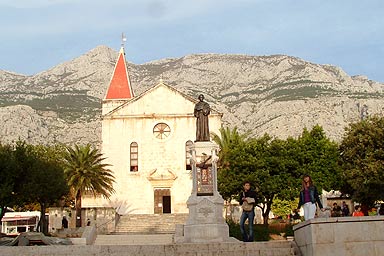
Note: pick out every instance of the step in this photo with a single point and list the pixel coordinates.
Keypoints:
(144, 239)
(146, 242)
(149, 223)
(227, 249)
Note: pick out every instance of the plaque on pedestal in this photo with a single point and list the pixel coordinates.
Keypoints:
(204, 181)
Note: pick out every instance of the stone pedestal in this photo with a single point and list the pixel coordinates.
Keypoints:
(205, 222)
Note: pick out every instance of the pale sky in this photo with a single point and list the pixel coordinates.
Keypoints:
(36, 35)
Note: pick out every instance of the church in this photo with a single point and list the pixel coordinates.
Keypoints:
(146, 140)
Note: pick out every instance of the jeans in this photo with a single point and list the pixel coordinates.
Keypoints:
(244, 216)
(309, 210)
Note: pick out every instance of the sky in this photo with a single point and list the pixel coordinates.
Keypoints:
(36, 35)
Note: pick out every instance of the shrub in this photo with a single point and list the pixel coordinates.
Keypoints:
(261, 232)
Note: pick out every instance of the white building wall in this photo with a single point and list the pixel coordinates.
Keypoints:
(162, 160)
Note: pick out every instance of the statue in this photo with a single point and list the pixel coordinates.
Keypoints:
(201, 113)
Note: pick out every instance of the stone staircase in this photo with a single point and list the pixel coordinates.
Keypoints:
(149, 235)
(149, 223)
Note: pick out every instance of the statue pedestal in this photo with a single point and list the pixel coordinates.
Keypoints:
(205, 222)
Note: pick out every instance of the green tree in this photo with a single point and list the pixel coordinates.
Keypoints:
(283, 207)
(227, 140)
(274, 171)
(43, 177)
(231, 144)
(275, 166)
(262, 161)
(362, 158)
(318, 156)
(86, 172)
(9, 176)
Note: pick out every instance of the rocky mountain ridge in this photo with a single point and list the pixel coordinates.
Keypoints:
(277, 94)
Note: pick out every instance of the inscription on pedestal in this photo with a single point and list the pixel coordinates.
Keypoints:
(205, 211)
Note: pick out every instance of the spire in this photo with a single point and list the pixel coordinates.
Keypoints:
(120, 86)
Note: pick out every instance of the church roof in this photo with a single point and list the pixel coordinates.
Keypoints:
(120, 86)
(161, 84)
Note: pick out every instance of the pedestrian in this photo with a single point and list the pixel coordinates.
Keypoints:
(380, 211)
(309, 196)
(357, 212)
(64, 222)
(247, 200)
(345, 209)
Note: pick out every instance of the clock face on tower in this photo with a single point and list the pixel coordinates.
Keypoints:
(161, 131)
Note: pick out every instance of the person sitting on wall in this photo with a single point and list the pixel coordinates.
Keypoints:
(345, 209)
(357, 212)
(336, 210)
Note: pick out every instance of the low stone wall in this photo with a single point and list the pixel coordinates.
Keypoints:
(341, 236)
(276, 248)
(104, 219)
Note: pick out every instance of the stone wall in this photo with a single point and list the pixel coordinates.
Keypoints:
(276, 248)
(350, 236)
(104, 219)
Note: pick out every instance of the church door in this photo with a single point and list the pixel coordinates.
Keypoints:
(166, 204)
(162, 201)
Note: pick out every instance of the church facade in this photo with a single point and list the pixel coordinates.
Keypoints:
(146, 141)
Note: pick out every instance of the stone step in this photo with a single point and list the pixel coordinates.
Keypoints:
(227, 249)
(149, 223)
(275, 248)
(134, 239)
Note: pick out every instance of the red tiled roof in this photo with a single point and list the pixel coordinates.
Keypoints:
(120, 86)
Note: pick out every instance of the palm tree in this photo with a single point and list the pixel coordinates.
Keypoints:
(86, 172)
(227, 139)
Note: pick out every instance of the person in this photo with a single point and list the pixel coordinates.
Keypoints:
(201, 113)
(250, 215)
(64, 222)
(364, 209)
(380, 210)
(357, 212)
(345, 209)
(336, 210)
(88, 222)
(309, 196)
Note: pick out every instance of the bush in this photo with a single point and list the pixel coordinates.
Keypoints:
(261, 232)
(289, 230)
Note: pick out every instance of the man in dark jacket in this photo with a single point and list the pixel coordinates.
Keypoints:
(246, 197)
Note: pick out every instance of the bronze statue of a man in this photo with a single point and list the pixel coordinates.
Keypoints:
(201, 113)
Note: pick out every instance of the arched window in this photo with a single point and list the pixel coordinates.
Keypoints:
(188, 155)
(134, 157)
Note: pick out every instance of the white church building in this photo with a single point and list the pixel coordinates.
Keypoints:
(146, 140)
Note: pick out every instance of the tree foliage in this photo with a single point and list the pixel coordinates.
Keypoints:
(227, 140)
(30, 175)
(9, 176)
(318, 156)
(362, 160)
(86, 172)
(43, 177)
(283, 208)
(275, 166)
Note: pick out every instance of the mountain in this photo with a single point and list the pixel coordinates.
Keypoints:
(278, 94)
